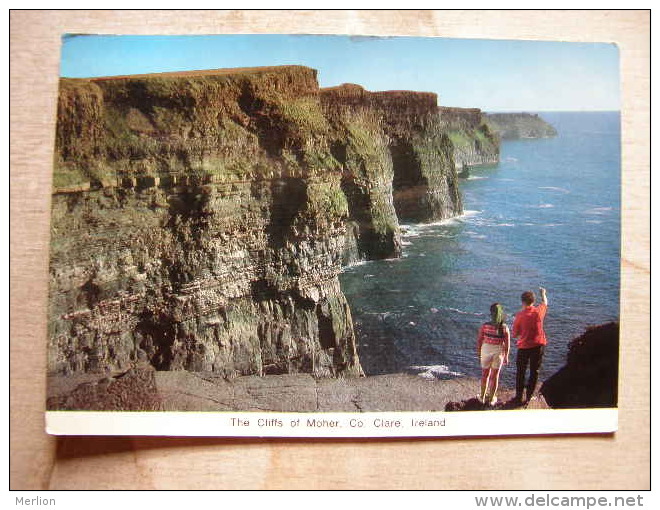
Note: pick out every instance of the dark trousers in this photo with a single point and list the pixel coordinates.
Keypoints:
(533, 358)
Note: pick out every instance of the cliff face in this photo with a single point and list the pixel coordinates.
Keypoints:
(200, 220)
(512, 126)
(474, 143)
(411, 142)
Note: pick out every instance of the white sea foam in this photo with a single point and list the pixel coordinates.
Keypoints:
(554, 188)
(469, 214)
(476, 177)
(357, 263)
(598, 210)
(458, 310)
(418, 229)
(434, 371)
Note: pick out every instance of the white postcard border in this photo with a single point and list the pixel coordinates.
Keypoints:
(311, 425)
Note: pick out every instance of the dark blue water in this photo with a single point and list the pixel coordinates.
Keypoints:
(548, 215)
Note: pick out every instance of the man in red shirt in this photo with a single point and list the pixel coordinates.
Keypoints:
(528, 329)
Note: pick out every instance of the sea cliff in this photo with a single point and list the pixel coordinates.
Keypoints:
(473, 141)
(512, 126)
(200, 219)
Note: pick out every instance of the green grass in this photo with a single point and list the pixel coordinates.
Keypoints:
(459, 138)
(65, 176)
(326, 199)
(304, 112)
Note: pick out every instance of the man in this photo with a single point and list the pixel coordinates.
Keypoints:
(528, 329)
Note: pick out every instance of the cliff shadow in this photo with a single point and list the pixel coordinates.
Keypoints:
(409, 185)
(288, 197)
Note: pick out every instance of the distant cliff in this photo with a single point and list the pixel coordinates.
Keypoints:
(473, 141)
(510, 126)
(200, 220)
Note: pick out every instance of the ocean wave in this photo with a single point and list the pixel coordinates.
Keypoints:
(554, 188)
(469, 214)
(463, 312)
(598, 210)
(354, 265)
(476, 177)
(417, 229)
(434, 371)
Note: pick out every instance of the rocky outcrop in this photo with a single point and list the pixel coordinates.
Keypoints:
(512, 126)
(474, 143)
(200, 220)
(591, 374)
(133, 390)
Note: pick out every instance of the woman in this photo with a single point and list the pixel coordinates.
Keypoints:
(493, 345)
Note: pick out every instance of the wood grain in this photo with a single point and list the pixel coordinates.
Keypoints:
(620, 461)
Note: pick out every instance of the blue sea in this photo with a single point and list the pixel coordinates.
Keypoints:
(548, 215)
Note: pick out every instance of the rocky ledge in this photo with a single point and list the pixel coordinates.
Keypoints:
(149, 390)
(589, 380)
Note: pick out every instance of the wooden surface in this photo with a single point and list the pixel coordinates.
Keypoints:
(620, 461)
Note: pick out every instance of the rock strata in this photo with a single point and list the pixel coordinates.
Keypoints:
(200, 219)
(397, 160)
(473, 141)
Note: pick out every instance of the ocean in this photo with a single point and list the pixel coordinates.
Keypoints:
(548, 215)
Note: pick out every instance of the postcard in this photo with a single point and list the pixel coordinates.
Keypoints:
(334, 236)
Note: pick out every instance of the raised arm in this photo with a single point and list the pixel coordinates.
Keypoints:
(544, 296)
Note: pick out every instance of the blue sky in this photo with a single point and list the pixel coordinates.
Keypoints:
(487, 74)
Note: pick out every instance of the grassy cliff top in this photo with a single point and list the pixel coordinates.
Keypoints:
(519, 125)
(349, 90)
(237, 71)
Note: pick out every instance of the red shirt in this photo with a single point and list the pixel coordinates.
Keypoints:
(528, 326)
(488, 334)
